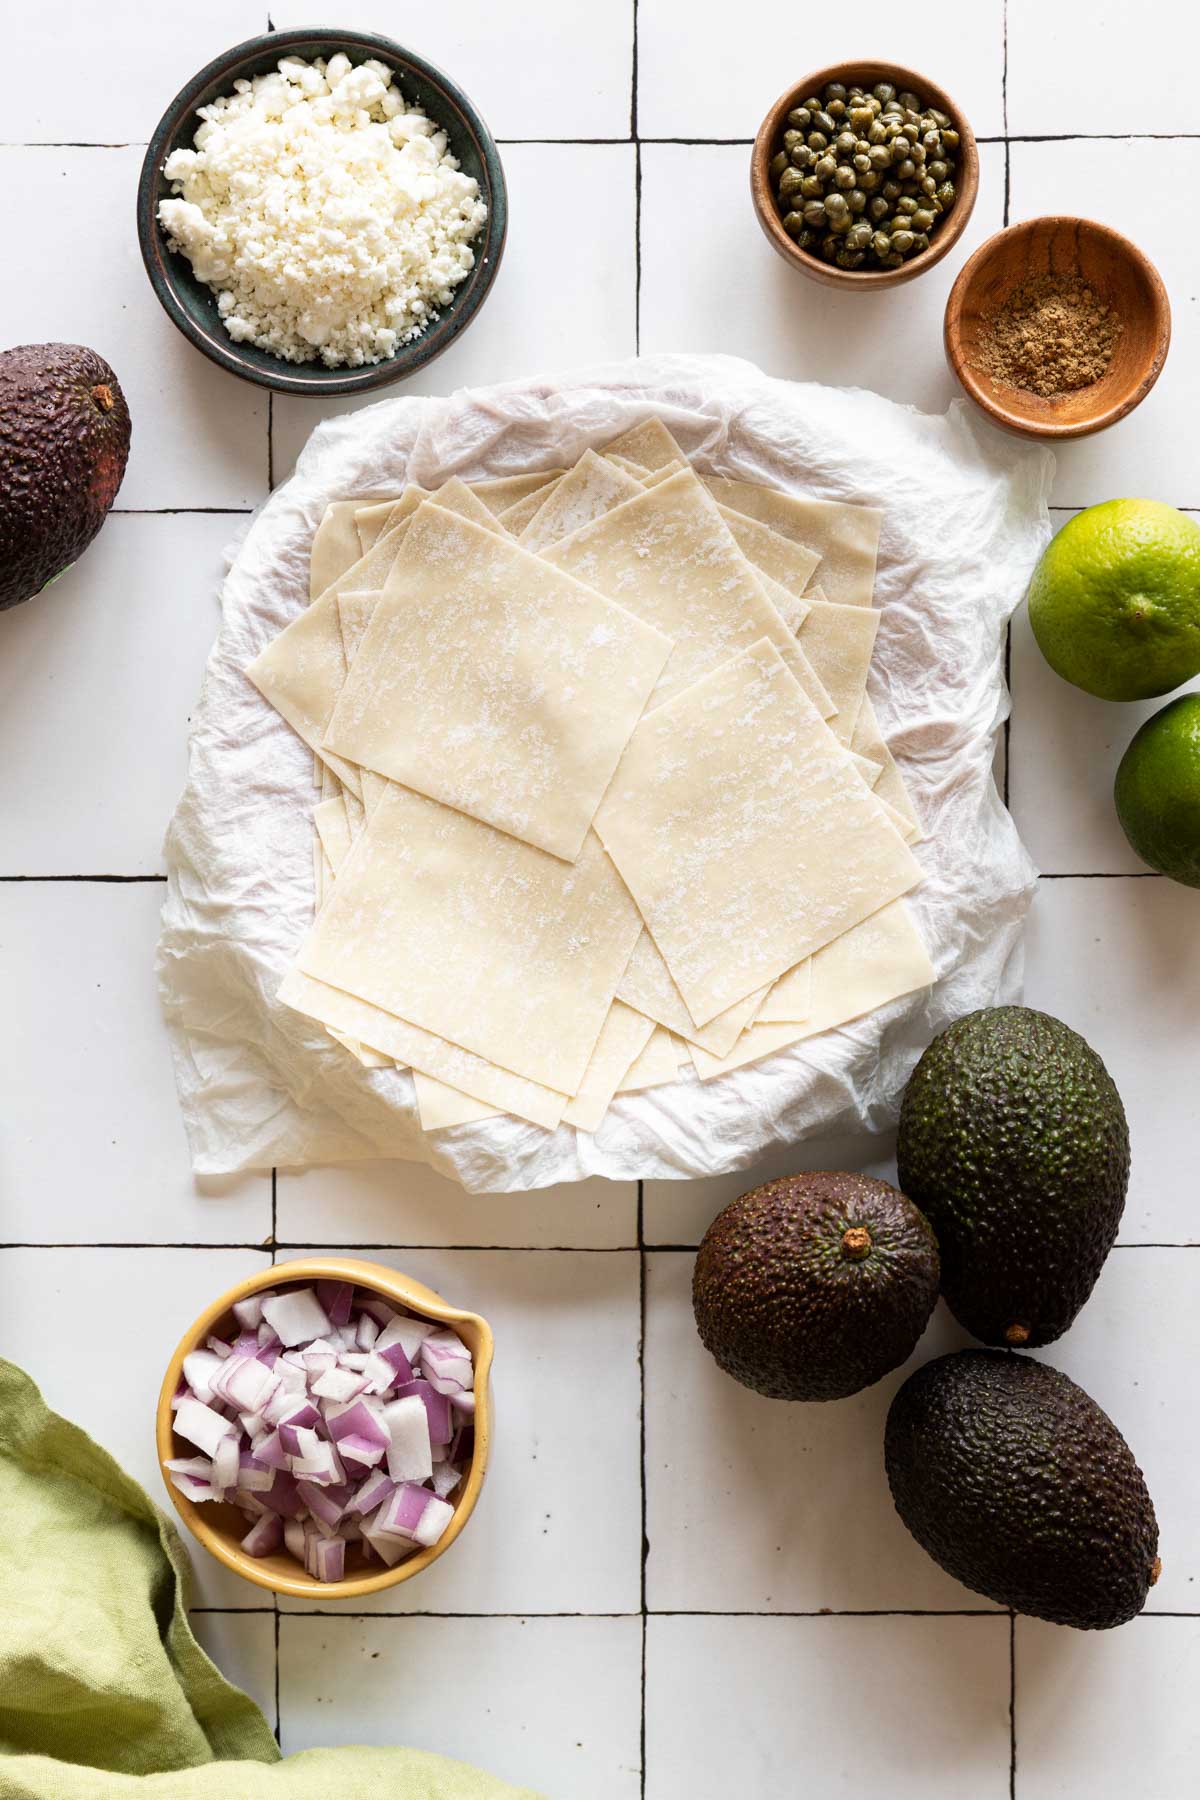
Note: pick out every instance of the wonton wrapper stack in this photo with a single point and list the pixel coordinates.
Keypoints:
(601, 800)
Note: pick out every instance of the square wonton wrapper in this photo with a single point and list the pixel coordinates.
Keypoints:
(745, 834)
(670, 558)
(477, 937)
(879, 961)
(495, 684)
(846, 538)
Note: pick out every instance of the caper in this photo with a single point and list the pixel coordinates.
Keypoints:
(881, 244)
(923, 220)
(812, 104)
(883, 92)
(830, 245)
(903, 241)
(877, 208)
(894, 261)
(812, 187)
(816, 140)
(834, 91)
(927, 185)
(861, 163)
(824, 123)
(946, 195)
(814, 212)
(890, 190)
(778, 164)
(808, 239)
(931, 141)
(876, 133)
(825, 168)
(837, 110)
(949, 139)
(880, 156)
(908, 101)
(870, 181)
(859, 236)
(917, 154)
(835, 208)
(906, 170)
(800, 118)
(856, 200)
(803, 157)
(791, 139)
(920, 241)
(860, 118)
(849, 259)
(906, 204)
(892, 131)
(845, 177)
(940, 118)
(939, 170)
(790, 183)
(845, 143)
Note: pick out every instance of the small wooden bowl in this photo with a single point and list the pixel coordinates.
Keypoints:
(865, 75)
(221, 1527)
(1121, 276)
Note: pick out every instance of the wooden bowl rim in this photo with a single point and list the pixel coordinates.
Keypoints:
(1028, 425)
(390, 1284)
(848, 72)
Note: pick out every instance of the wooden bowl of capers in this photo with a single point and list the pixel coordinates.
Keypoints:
(864, 174)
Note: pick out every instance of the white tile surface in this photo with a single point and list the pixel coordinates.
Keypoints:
(199, 438)
(243, 1647)
(93, 1149)
(1084, 69)
(119, 627)
(522, 65)
(1120, 962)
(911, 1708)
(1063, 761)
(63, 1307)
(553, 1704)
(750, 1505)
(558, 302)
(747, 1499)
(558, 1525)
(117, 73)
(406, 1203)
(1156, 450)
(1134, 1348)
(1093, 1709)
(705, 71)
(728, 288)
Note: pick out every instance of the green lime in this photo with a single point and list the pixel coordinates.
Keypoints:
(1158, 791)
(1115, 601)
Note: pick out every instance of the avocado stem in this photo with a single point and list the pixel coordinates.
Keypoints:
(1155, 1570)
(1017, 1334)
(102, 394)
(856, 1241)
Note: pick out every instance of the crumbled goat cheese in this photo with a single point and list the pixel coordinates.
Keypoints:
(328, 216)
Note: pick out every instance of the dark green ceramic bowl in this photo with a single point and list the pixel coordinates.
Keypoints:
(193, 307)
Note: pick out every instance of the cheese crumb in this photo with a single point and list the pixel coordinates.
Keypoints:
(328, 215)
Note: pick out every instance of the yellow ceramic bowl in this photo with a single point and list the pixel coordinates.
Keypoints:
(220, 1528)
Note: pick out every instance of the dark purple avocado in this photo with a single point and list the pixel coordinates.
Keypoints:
(64, 443)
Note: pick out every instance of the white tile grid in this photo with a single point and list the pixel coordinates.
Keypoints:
(714, 1619)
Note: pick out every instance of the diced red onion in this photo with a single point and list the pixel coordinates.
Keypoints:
(296, 1415)
(264, 1536)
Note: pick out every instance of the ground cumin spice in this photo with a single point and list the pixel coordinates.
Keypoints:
(1053, 334)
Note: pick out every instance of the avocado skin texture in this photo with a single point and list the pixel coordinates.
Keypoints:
(787, 1311)
(1018, 1485)
(1013, 1142)
(64, 443)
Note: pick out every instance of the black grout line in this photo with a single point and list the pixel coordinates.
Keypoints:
(1004, 71)
(270, 442)
(637, 250)
(654, 1612)
(633, 78)
(645, 1544)
(128, 880)
(648, 1248)
(1014, 137)
(1012, 1706)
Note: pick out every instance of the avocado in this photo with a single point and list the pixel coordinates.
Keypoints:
(1016, 1482)
(814, 1286)
(64, 443)
(1013, 1142)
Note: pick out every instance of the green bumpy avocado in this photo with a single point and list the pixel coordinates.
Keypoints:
(1018, 1485)
(64, 443)
(1013, 1142)
(814, 1286)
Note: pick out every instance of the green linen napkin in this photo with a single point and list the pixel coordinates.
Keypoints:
(104, 1692)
